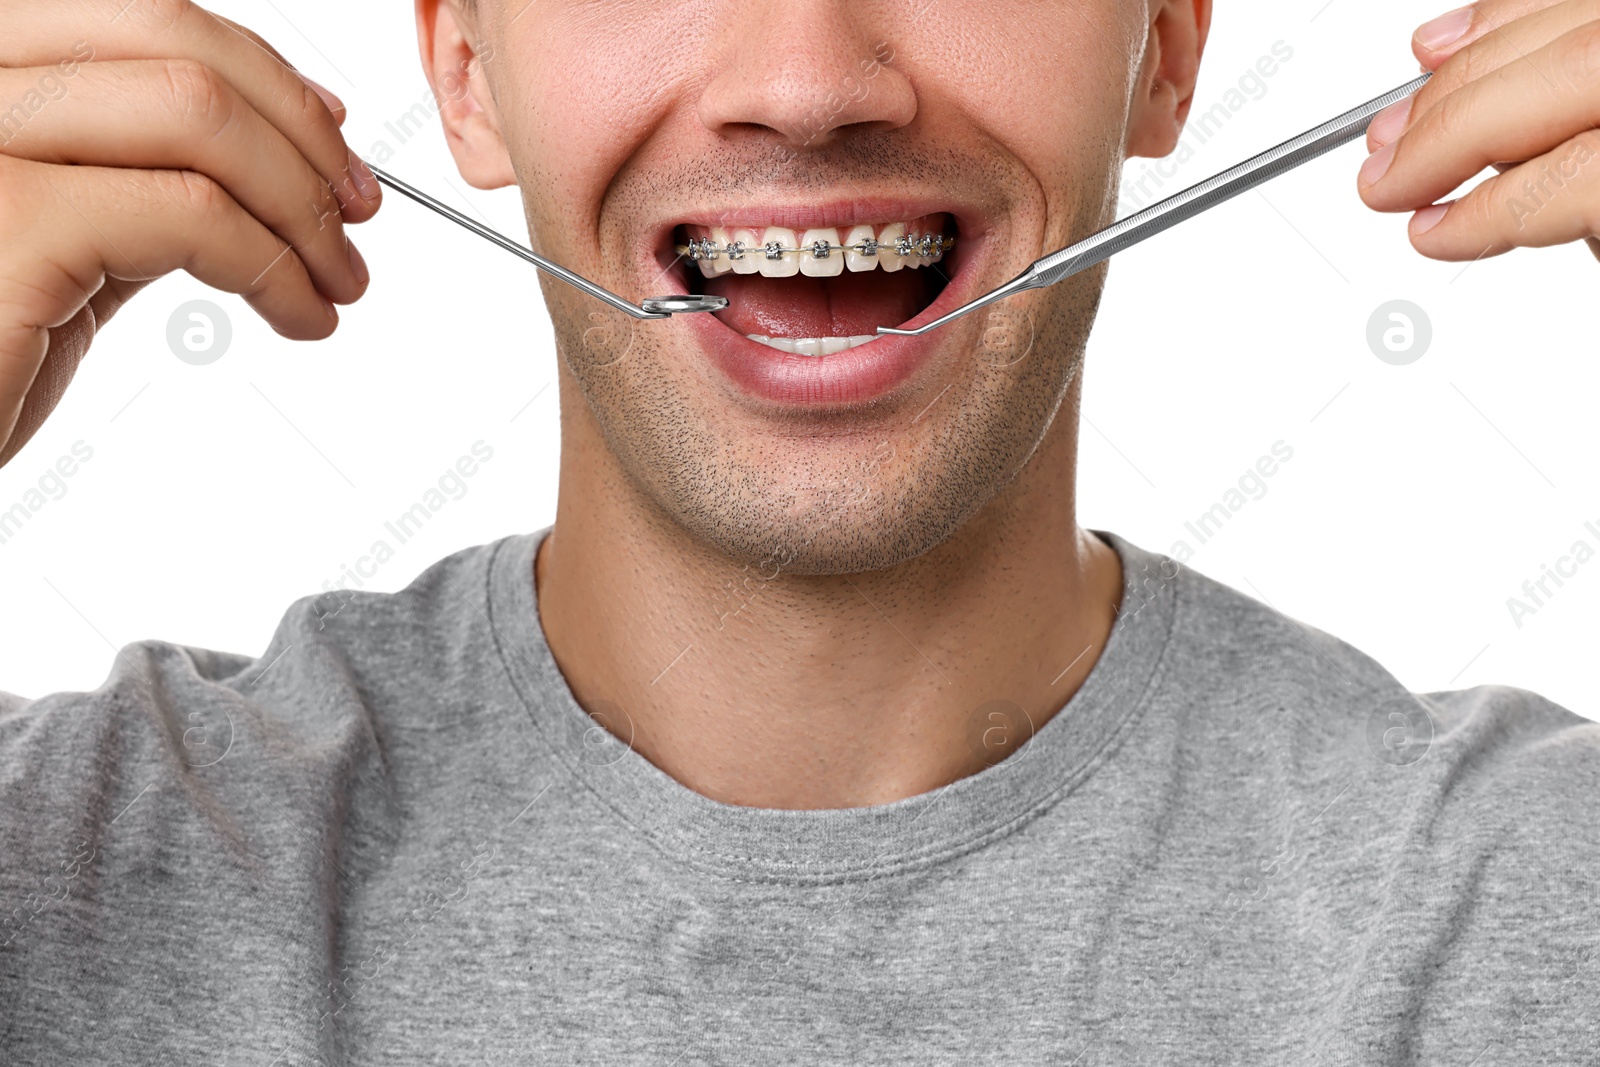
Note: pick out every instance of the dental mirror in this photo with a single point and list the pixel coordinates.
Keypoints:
(660, 307)
(1180, 206)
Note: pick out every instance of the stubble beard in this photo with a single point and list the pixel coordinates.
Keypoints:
(882, 492)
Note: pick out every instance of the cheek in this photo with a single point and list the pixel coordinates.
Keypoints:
(1049, 82)
(586, 91)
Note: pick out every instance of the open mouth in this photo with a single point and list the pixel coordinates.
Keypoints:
(809, 284)
(818, 292)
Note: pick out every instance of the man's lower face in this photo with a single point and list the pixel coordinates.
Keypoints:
(783, 431)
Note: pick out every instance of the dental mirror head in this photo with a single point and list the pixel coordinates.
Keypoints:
(680, 305)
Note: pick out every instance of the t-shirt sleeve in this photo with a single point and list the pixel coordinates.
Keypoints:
(1502, 899)
(72, 761)
(180, 835)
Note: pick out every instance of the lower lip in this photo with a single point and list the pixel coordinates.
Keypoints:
(854, 376)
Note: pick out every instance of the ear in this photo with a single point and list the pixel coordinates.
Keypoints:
(453, 59)
(1165, 89)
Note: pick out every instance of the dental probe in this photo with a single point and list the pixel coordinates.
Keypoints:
(1185, 205)
(660, 307)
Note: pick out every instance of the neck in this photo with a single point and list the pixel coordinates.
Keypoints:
(831, 691)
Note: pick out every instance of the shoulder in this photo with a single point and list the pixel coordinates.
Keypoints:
(320, 640)
(205, 732)
(235, 799)
(1296, 714)
(1456, 833)
(1526, 773)
(1232, 647)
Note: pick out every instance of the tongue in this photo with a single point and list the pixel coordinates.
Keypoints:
(849, 304)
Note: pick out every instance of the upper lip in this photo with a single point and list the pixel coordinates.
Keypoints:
(970, 220)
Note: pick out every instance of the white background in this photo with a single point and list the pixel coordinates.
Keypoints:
(1419, 497)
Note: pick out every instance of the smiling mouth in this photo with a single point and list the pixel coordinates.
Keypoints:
(818, 292)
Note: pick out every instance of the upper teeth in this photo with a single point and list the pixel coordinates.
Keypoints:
(777, 252)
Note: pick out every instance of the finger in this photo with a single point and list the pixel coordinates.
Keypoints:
(1439, 38)
(334, 104)
(84, 223)
(112, 295)
(1515, 113)
(86, 31)
(1497, 47)
(180, 115)
(1506, 44)
(66, 230)
(1551, 199)
(63, 348)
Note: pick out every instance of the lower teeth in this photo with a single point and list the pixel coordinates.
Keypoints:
(812, 346)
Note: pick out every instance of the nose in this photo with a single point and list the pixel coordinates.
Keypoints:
(803, 73)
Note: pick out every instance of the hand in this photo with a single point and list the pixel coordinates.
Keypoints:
(1516, 86)
(147, 136)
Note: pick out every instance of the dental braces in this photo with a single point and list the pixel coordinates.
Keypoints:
(925, 246)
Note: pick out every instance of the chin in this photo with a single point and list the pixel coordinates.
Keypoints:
(859, 505)
(829, 541)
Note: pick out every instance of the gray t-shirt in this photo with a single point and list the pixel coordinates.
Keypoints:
(394, 838)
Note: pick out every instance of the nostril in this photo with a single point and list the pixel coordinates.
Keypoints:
(806, 95)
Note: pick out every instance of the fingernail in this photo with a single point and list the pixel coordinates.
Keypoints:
(1428, 218)
(1377, 164)
(1445, 30)
(366, 182)
(335, 105)
(358, 263)
(1387, 124)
